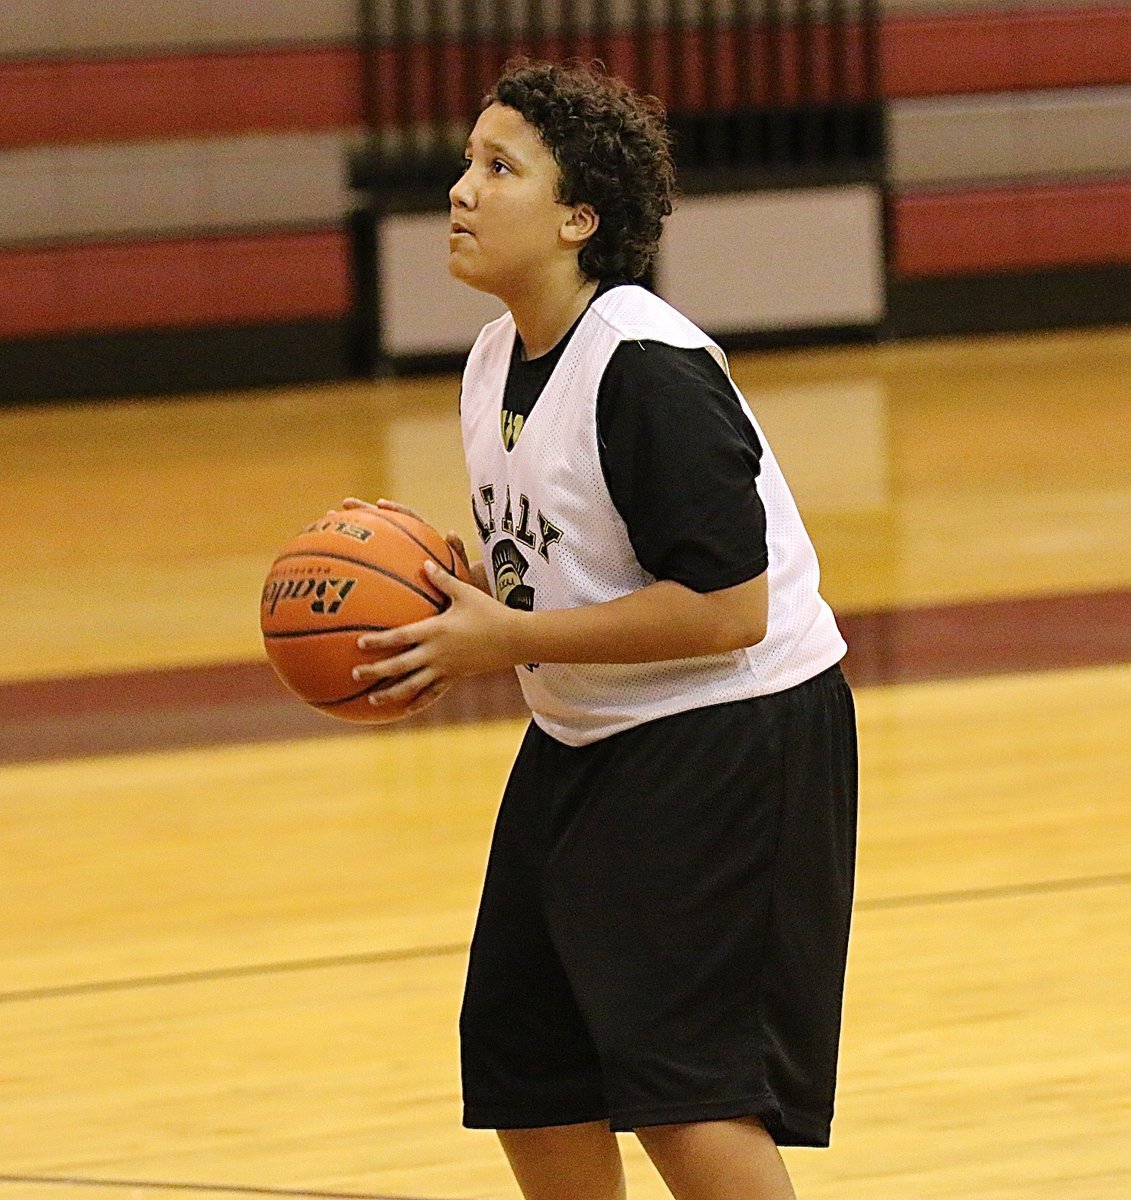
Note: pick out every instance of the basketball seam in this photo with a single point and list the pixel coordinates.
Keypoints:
(412, 537)
(373, 687)
(360, 562)
(300, 633)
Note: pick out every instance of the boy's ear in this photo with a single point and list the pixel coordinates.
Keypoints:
(581, 224)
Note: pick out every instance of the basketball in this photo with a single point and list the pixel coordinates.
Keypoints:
(348, 573)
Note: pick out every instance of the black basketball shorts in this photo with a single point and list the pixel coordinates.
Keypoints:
(664, 923)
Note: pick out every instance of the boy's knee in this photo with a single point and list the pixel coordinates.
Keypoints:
(565, 1162)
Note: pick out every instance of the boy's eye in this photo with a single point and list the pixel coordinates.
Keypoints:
(497, 167)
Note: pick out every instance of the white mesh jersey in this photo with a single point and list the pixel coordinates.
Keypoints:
(552, 537)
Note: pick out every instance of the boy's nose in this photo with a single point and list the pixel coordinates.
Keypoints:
(461, 194)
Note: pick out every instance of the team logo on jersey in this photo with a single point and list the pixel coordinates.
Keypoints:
(512, 424)
(510, 567)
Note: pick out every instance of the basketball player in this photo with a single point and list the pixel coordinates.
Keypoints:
(662, 936)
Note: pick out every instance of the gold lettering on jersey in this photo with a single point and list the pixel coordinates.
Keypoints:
(484, 527)
(512, 424)
(524, 533)
(547, 534)
(507, 523)
(550, 535)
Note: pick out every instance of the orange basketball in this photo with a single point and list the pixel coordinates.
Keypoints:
(349, 573)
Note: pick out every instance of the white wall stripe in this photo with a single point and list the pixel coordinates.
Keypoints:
(76, 192)
(760, 260)
(32, 27)
(732, 263)
(1012, 135)
(87, 192)
(29, 27)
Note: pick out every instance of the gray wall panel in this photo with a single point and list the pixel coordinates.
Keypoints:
(30, 26)
(734, 264)
(776, 260)
(147, 188)
(31, 203)
(108, 26)
(254, 21)
(94, 26)
(86, 25)
(1082, 131)
(933, 141)
(423, 309)
(1085, 131)
(274, 179)
(88, 192)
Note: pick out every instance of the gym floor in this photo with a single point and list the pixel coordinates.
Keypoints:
(235, 929)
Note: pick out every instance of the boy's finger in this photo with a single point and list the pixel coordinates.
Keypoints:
(393, 506)
(456, 542)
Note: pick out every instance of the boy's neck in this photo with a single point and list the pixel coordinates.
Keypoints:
(545, 317)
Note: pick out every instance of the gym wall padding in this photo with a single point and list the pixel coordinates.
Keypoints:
(173, 184)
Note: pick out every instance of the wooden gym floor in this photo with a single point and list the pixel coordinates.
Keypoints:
(234, 931)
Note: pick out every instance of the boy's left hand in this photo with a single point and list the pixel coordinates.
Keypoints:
(470, 637)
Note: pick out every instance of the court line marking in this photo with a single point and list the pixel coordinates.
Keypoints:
(1005, 891)
(228, 1189)
(218, 973)
(879, 903)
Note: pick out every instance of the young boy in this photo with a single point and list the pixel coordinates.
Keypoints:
(662, 936)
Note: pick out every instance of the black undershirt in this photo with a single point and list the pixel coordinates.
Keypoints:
(679, 456)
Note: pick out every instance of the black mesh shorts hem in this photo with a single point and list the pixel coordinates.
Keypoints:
(786, 1129)
(493, 1118)
(760, 1106)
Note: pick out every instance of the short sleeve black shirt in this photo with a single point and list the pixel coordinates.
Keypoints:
(680, 458)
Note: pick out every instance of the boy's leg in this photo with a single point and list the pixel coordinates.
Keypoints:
(718, 1160)
(566, 1162)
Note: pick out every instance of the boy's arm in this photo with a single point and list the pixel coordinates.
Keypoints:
(662, 621)
(476, 634)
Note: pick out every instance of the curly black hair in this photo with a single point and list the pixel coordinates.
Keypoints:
(613, 150)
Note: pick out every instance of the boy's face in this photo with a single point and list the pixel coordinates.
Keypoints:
(507, 225)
